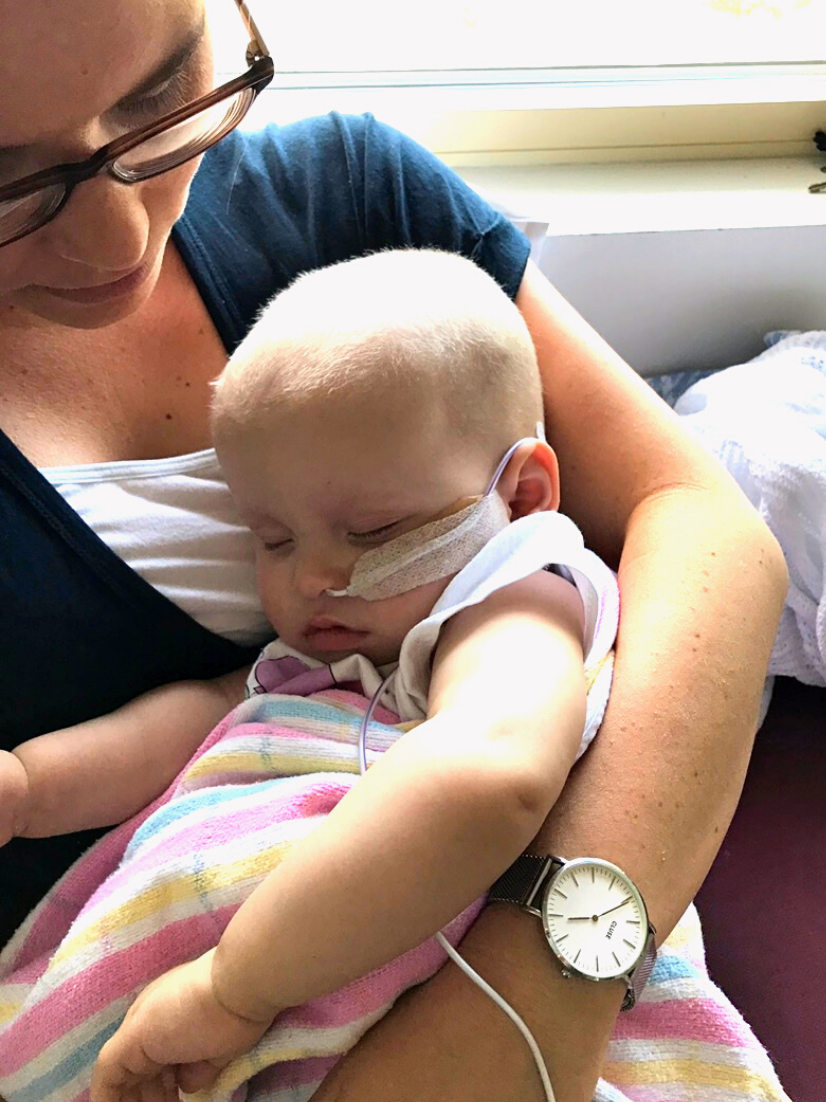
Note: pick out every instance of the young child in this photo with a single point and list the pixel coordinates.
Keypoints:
(378, 430)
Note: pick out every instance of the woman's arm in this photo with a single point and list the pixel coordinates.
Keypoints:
(702, 584)
(100, 772)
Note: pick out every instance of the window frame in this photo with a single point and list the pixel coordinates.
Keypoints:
(577, 116)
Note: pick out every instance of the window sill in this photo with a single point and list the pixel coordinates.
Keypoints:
(580, 120)
(657, 196)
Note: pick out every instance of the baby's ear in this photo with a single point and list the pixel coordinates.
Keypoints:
(530, 482)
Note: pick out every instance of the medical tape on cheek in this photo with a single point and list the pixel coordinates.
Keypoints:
(436, 550)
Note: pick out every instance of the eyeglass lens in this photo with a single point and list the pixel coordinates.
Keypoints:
(16, 215)
(187, 139)
(155, 155)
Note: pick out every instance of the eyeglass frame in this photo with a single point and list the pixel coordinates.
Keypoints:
(257, 77)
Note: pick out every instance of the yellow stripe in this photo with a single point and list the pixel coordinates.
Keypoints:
(177, 891)
(697, 1073)
(593, 672)
(282, 765)
(682, 936)
(242, 1069)
(8, 1011)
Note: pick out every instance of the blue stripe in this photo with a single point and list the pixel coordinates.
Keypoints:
(670, 967)
(191, 804)
(269, 708)
(80, 1060)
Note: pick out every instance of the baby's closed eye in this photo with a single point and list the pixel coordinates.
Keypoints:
(375, 535)
(275, 543)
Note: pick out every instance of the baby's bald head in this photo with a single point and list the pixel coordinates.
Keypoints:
(422, 326)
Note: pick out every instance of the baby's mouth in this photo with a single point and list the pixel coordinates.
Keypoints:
(324, 633)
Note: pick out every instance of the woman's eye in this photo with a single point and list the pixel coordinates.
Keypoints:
(175, 92)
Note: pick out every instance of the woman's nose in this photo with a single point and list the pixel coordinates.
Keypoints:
(314, 576)
(104, 225)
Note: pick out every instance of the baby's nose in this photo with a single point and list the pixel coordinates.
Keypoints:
(313, 577)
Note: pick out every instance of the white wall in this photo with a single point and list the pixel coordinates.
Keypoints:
(691, 299)
(677, 264)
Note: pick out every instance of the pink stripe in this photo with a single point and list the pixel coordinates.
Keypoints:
(381, 714)
(704, 1019)
(294, 1073)
(114, 976)
(315, 741)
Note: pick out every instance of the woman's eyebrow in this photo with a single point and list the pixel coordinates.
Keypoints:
(164, 71)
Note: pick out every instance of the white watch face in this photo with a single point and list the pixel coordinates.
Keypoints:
(595, 919)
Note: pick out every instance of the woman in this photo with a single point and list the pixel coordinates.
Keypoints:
(112, 328)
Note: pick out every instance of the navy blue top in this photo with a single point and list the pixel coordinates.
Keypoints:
(80, 632)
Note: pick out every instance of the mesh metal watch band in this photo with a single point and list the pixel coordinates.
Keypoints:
(522, 882)
(639, 977)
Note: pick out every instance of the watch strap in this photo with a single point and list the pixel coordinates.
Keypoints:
(523, 882)
(639, 977)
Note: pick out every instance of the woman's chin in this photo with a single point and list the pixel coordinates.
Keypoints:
(100, 307)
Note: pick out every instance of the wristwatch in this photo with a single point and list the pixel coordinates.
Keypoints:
(593, 915)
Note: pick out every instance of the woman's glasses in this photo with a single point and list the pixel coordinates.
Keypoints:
(31, 202)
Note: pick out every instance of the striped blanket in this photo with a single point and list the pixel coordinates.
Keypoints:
(159, 890)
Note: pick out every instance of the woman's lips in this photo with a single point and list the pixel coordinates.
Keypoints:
(103, 292)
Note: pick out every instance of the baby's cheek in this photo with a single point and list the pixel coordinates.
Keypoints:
(272, 589)
(402, 613)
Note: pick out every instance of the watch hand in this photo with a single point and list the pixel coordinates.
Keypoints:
(628, 900)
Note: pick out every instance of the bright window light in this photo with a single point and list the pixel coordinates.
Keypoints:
(439, 36)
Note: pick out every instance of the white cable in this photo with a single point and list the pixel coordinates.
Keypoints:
(460, 962)
(508, 1009)
(365, 722)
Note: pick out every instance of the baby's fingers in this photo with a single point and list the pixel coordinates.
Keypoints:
(197, 1077)
(124, 1073)
(162, 1089)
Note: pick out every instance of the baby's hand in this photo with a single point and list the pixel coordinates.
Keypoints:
(14, 796)
(175, 1035)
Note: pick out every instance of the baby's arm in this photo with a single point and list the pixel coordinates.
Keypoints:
(435, 820)
(100, 772)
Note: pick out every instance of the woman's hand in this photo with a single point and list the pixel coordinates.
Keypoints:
(14, 797)
(176, 1035)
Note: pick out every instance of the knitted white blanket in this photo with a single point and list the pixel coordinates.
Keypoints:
(766, 421)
